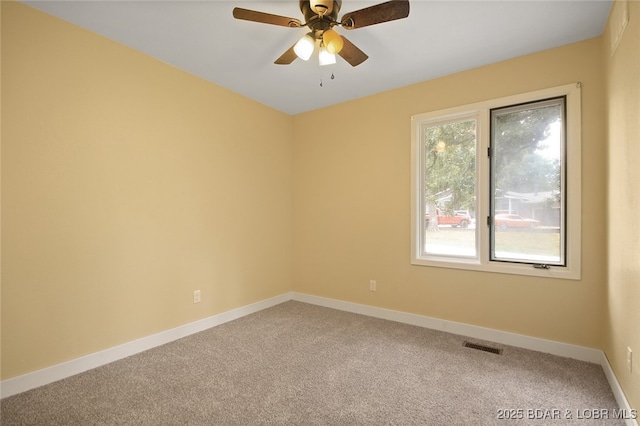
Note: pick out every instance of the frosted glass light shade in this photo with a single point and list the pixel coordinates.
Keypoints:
(304, 47)
(325, 57)
(333, 41)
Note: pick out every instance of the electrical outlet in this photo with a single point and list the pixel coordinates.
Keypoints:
(372, 285)
(629, 359)
(196, 296)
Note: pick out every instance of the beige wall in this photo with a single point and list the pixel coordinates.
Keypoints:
(622, 328)
(126, 185)
(352, 206)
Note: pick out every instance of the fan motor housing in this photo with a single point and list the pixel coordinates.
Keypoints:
(312, 9)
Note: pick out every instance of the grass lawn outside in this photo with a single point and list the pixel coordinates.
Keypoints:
(517, 244)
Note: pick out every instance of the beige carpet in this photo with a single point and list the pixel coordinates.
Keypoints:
(299, 364)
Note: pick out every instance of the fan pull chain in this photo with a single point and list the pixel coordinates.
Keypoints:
(333, 77)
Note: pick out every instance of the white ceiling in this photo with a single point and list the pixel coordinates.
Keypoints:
(438, 38)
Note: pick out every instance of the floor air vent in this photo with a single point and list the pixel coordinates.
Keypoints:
(482, 348)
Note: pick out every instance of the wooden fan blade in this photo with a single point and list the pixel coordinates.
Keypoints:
(287, 57)
(383, 12)
(351, 53)
(265, 18)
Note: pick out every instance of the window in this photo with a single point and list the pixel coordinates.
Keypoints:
(496, 185)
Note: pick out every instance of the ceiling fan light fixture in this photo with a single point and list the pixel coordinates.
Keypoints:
(333, 41)
(325, 57)
(321, 16)
(304, 47)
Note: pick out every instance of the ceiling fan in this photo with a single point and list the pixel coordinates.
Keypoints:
(321, 16)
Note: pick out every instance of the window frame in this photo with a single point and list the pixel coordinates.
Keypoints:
(573, 187)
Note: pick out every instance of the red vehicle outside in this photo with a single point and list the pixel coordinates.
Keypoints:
(458, 219)
(505, 221)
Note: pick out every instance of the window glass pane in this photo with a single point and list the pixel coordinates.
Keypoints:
(527, 183)
(449, 188)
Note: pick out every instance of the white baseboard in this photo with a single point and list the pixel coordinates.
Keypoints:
(75, 366)
(60, 371)
(512, 339)
(581, 353)
(618, 393)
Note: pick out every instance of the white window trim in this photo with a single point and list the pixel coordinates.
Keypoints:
(573, 191)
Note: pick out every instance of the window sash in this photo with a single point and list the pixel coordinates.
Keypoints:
(495, 113)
